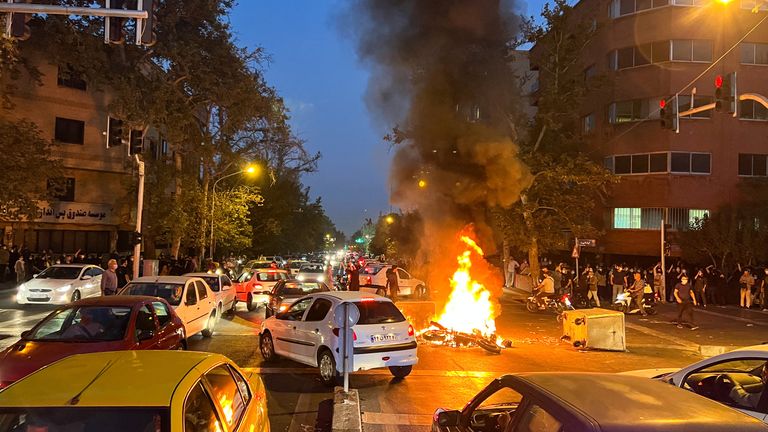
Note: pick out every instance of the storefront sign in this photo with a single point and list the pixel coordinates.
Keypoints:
(76, 213)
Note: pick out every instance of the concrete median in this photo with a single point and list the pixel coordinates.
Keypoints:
(346, 411)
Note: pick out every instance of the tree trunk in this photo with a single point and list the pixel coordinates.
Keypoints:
(150, 250)
(176, 243)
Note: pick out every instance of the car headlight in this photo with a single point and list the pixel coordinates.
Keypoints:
(300, 277)
(65, 288)
(321, 278)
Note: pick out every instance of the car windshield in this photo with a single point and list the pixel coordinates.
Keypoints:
(378, 312)
(60, 273)
(312, 268)
(300, 288)
(171, 292)
(371, 270)
(84, 324)
(212, 281)
(80, 419)
(268, 277)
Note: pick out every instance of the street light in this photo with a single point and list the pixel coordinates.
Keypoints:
(390, 220)
(250, 169)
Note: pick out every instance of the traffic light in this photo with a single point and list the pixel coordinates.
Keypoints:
(148, 36)
(115, 27)
(135, 238)
(725, 93)
(667, 114)
(115, 132)
(19, 24)
(137, 142)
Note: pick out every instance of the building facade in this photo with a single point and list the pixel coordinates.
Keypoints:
(96, 213)
(647, 51)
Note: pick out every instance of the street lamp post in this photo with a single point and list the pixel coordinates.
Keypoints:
(139, 210)
(249, 170)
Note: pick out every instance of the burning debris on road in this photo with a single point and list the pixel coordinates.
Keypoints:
(439, 335)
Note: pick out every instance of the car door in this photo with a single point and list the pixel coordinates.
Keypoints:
(313, 329)
(167, 338)
(145, 329)
(96, 275)
(404, 281)
(205, 299)
(189, 310)
(228, 293)
(284, 330)
(84, 283)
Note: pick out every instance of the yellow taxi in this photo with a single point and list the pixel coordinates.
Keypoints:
(137, 391)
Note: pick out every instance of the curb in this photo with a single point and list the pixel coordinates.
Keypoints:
(346, 411)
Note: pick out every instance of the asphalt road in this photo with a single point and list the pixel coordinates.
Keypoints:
(445, 376)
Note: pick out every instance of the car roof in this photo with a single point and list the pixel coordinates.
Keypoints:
(116, 378)
(200, 274)
(622, 403)
(761, 349)
(163, 279)
(352, 295)
(116, 300)
(74, 265)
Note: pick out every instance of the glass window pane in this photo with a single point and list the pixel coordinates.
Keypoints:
(643, 55)
(625, 58)
(660, 51)
(745, 164)
(761, 54)
(747, 53)
(626, 7)
(700, 163)
(746, 109)
(622, 164)
(608, 163)
(681, 162)
(224, 390)
(621, 218)
(658, 162)
(199, 412)
(759, 165)
(622, 112)
(683, 2)
(702, 50)
(643, 4)
(660, 3)
(639, 164)
(761, 112)
(681, 50)
(651, 218)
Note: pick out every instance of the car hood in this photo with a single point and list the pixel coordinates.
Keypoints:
(650, 373)
(48, 283)
(25, 357)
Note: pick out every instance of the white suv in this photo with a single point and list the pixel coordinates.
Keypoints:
(307, 334)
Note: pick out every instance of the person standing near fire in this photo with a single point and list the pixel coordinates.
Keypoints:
(392, 283)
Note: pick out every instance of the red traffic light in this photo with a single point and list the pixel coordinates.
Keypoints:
(662, 104)
(719, 81)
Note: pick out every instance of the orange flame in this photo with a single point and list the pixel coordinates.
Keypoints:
(470, 307)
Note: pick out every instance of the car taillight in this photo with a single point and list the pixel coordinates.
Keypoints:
(410, 330)
(257, 287)
(369, 280)
(337, 331)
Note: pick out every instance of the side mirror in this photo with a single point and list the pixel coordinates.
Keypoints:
(448, 418)
(146, 335)
(86, 277)
(25, 334)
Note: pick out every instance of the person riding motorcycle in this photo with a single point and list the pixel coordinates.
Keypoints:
(636, 290)
(545, 289)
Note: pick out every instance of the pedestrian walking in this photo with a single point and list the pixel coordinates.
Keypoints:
(512, 267)
(618, 281)
(13, 256)
(685, 303)
(700, 288)
(5, 257)
(592, 287)
(761, 292)
(392, 283)
(745, 289)
(20, 268)
(659, 285)
(109, 279)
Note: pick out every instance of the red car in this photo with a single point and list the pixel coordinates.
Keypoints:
(254, 286)
(113, 323)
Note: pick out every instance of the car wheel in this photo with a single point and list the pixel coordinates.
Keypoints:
(182, 346)
(208, 330)
(233, 309)
(327, 364)
(76, 296)
(250, 305)
(267, 346)
(400, 371)
(219, 310)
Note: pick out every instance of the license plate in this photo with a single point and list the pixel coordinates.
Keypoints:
(38, 298)
(382, 338)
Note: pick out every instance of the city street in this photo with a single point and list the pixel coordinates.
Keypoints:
(448, 377)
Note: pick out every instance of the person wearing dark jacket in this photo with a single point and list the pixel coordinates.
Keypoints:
(393, 284)
(353, 277)
(685, 303)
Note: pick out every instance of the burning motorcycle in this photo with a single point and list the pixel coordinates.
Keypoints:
(623, 302)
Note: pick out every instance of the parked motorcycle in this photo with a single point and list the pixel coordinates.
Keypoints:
(623, 302)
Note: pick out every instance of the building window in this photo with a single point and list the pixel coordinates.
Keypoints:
(629, 111)
(681, 219)
(68, 77)
(751, 110)
(684, 104)
(663, 162)
(754, 53)
(690, 2)
(692, 50)
(627, 7)
(626, 218)
(650, 218)
(588, 123)
(753, 165)
(639, 55)
(590, 71)
(69, 131)
(65, 191)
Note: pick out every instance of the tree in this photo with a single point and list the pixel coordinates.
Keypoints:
(28, 170)
(397, 236)
(567, 185)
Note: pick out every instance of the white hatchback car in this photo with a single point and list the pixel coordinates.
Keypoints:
(221, 285)
(373, 278)
(191, 298)
(307, 334)
(61, 284)
(715, 378)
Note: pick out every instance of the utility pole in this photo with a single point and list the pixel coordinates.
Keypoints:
(139, 210)
(663, 256)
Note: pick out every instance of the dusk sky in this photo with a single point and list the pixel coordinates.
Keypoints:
(318, 74)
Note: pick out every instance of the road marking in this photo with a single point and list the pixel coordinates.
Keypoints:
(735, 318)
(397, 419)
(417, 372)
(660, 335)
(301, 412)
